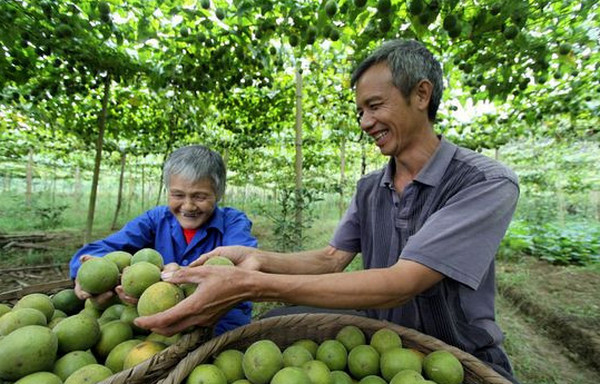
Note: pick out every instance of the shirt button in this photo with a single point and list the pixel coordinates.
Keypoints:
(185, 262)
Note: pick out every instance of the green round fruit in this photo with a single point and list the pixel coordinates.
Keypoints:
(206, 374)
(112, 334)
(363, 361)
(443, 367)
(372, 379)
(71, 362)
(351, 336)
(121, 258)
(340, 377)
(296, 356)
(158, 298)
(40, 378)
(98, 275)
(92, 373)
(219, 260)
(317, 371)
(116, 357)
(333, 353)
(67, 301)
(385, 339)
(261, 361)
(407, 377)
(19, 318)
(38, 301)
(398, 359)
(77, 333)
(310, 345)
(27, 350)
(150, 255)
(291, 375)
(331, 8)
(230, 362)
(139, 276)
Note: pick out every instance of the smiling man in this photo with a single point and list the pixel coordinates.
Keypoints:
(428, 226)
(190, 225)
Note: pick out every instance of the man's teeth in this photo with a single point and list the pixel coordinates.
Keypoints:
(189, 214)
(380, 135)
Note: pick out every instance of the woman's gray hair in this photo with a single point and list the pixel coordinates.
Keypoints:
(195, 163)
(410, 62)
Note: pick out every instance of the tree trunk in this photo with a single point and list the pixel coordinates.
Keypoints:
(131, 189)
(113, 226)
(96, 176)
(298, 160)
(342, 175)
(143, 192)
(29, 177)
(78, 189)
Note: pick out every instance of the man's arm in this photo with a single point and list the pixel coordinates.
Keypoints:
(319, 261)
(221, 288)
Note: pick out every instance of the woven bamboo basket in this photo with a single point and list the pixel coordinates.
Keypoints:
(159, 365)
(284, 330)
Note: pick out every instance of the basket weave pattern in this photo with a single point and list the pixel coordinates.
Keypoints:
(284, 330)
(158, 366)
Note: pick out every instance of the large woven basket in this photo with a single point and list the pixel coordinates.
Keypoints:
(284, 330)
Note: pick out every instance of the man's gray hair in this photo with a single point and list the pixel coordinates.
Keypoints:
(410, 62)
(195, 163)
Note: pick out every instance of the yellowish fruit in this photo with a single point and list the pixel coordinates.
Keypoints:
(116, 357)
(159, 297)
(141, 352)
(139, 276)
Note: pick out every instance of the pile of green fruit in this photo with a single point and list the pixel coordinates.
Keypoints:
(62, 339)
(349, 358)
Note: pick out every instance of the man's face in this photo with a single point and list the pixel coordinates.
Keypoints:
(384, 114)
(192, 203)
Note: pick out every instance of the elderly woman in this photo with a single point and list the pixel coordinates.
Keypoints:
(190, 225)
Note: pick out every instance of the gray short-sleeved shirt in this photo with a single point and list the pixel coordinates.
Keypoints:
(451, 218)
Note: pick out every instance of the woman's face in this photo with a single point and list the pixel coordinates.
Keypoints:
(192, 203)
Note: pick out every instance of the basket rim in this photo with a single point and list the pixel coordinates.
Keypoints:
(316, 321)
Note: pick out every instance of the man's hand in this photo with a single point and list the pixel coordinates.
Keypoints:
(243, 257)
(218, 290)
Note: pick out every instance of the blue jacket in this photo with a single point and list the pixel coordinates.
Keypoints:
(159, 229)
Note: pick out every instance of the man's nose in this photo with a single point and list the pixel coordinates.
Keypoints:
(367, 121)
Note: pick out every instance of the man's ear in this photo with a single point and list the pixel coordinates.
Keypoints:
(423, 92)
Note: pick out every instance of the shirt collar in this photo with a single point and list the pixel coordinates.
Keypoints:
(432, 172)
